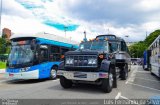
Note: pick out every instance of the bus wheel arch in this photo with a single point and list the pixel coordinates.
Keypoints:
(53, 72)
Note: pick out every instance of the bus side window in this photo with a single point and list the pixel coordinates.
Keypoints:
(55, 53)
(43, 55)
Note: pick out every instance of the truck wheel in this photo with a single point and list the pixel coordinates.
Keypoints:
(124, 72)
(53, 73)
(107, 84)
(65, 83)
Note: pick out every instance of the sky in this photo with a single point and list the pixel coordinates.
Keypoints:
(133, 18)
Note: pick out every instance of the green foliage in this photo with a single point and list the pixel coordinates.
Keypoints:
(4, 46)
(137, 49)
(152, 37)
(2, 65)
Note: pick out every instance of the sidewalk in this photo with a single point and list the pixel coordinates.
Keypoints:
(2, 71)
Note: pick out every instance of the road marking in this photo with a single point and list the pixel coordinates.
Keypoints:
(143, 86)
(148, 79)
(132, 76)
(2, 81)
(118, 95)
(143, 71)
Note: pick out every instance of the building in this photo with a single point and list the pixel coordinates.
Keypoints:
(6, 33)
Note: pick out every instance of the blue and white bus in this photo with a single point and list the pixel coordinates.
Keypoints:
(37, 56)
(155, 56)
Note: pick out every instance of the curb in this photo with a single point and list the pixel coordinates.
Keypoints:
(2, 71)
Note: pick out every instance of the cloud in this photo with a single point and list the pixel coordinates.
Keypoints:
(119, 17)
(13, 8)
(41, 11)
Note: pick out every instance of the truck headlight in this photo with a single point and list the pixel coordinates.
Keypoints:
(92, 61)
(69, 61)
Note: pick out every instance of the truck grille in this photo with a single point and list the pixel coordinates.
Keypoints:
(81, 60)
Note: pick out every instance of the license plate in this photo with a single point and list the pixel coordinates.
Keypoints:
(80, 75)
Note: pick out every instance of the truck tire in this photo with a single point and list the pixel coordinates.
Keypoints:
(65, 83)
(114, 77)
(124, 72)
(107, 84)
(53, 72)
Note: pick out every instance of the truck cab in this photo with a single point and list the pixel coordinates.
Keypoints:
(94, 62)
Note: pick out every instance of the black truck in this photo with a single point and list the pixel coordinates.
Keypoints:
(95, 63)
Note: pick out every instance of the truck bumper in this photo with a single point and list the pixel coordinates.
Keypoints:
(84, 76)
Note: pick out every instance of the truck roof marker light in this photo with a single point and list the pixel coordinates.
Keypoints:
(101, 56)
(106, 39)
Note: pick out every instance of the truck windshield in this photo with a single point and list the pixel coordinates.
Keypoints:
(85, 45)
(94, 45)
(20, 54)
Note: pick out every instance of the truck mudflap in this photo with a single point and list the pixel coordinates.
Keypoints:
(84, 76)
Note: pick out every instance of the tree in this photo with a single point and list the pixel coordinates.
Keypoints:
(137, 49)
(3, 46)
(152, 36)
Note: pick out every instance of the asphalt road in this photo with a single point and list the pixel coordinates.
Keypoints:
(140, 85)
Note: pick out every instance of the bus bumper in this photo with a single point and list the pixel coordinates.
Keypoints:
(23, 75)
(84, 76)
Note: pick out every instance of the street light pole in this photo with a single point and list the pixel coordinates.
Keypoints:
(65, 29)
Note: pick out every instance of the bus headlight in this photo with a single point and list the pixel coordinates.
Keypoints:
(92, 61)
(69, 61)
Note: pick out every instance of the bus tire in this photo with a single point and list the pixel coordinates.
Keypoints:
(65, 83)
(53, 72)
(124, 72)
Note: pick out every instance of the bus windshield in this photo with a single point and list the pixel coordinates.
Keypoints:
(95, 45)
(20, 54)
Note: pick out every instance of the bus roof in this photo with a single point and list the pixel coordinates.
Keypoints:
(46, 36)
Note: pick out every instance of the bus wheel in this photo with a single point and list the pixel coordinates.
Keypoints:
(53, 72)
(65, 83)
